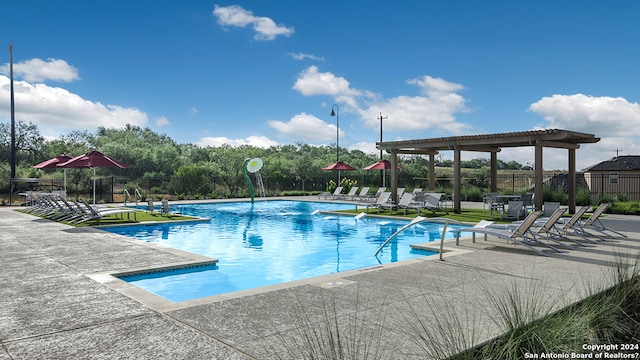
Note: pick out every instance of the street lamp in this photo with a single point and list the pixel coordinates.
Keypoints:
(336, 113)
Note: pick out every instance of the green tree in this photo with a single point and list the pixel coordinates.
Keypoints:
(28, 143)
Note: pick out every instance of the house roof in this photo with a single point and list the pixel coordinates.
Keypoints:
(618, 163)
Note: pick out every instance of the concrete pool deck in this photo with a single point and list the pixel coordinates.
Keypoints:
(57, 300)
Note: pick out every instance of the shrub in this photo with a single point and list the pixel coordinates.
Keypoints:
(331, 186)
(583, 197)
(347, 184)
(472, 194)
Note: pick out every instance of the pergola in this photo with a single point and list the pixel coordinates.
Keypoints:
(491, 143)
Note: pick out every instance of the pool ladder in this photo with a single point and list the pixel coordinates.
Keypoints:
(128, 196)
(417, 220)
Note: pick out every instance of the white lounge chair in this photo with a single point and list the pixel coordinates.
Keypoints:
(520, 235)
(336, 192)
(362, 195)
(404, 203)
(547, 229)
(573, 227)
(95, 213)
(594, 223)
(382, 199)
(352, 192)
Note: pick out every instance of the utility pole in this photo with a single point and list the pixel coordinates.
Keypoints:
(13, 128)
(381, 171)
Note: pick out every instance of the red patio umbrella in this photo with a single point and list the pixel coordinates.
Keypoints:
(53, 163)
(93, 159)
(381, 165)
(339, 166)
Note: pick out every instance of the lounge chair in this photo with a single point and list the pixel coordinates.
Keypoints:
(362, 195)
(520, 235)
(493, 201)
(165, 208)
(352, 192)
(432, 202)
(373, 197)
(515, 210)
(417, 202)
(527, 202)
(95, 213)
(404, 203)
(380, 202)
(573, 227)
(149, 205)
(547, 229)
(549, 207)
(594, 223)
(336, 192)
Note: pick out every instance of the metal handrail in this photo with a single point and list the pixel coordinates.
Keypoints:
(417, 220)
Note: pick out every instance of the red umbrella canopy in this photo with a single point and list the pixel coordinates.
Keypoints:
(380, 165)
(52, 163)
(93, 159)
(339, 166)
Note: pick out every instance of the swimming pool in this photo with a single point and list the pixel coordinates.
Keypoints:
(271, 242)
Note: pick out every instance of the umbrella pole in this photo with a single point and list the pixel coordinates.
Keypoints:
(94, 186)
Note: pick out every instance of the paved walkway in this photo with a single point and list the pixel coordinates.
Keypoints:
(56, 301)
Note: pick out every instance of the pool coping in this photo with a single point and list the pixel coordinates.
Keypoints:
(162, 305)
(112, 279)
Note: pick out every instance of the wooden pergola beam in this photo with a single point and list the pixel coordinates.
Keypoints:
(492, 143)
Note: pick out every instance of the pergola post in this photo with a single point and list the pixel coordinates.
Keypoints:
(394, 176)
(456, 179)
(538, 181)
(572, 181)
(494, 171)
(432, 172)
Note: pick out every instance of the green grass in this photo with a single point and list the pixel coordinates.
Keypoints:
(465, 215)
(141, 216)
(123, 219)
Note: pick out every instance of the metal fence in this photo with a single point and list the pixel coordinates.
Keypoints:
(112, 189)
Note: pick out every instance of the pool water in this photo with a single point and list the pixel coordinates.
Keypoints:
(271, 242)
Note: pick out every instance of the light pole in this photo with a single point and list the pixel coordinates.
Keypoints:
(381, 171)
(336, 113)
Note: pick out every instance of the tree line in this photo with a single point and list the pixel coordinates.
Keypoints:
(158, 164)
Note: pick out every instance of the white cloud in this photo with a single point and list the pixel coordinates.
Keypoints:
(265, 28)
(162, 121)
(301, 56)
(602, 116)
(312, 82)
(366, 147)
(436, 108)
(38, 70)
(55, 109)
(306, 127)
(257, 141)
(614, 120)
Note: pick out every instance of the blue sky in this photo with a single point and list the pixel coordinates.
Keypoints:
(268, 72)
